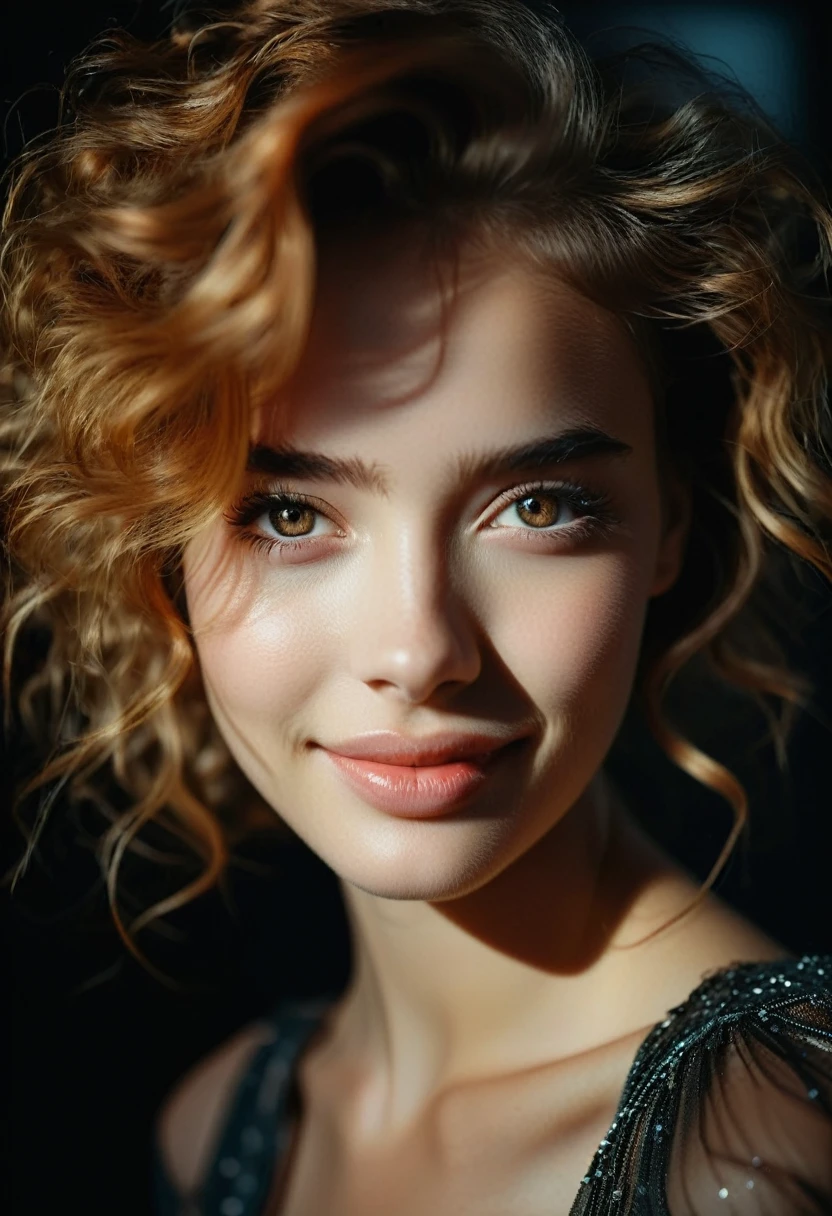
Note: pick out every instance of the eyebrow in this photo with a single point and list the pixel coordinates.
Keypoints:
(577, 443)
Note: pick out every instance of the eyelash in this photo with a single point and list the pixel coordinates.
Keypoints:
(597, 516)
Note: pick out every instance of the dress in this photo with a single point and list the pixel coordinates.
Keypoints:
(737, 1080)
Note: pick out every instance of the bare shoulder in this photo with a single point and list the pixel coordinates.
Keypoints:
(193, 1113)
(714, 937)
(696, 933)
(729, 937)
(710, 933)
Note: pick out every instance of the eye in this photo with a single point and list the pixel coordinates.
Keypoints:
(295, 521)
(299, 524)
(291, 518)
(545, 507)
(539, 510)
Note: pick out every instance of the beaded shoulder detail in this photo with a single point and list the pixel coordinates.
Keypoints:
(745, 990)
(782, 1003)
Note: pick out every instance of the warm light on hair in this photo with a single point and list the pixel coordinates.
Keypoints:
(158, 269)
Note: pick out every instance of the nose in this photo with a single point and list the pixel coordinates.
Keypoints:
(412, 630)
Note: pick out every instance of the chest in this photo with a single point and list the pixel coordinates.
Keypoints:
(500, 1161)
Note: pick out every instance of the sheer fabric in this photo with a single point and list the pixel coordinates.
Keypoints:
(727, 1108)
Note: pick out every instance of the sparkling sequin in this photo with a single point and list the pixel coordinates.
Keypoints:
(723, 1192)
(252, 1139)
(246, 1184)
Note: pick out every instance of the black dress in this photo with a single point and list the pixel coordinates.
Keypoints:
(736, 1081)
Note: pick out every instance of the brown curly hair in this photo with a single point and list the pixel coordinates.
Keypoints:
(158, 267)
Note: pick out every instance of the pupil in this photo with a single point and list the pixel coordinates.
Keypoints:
(294, 519)
(543, 512)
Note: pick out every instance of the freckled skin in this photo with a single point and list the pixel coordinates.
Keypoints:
(484, 939)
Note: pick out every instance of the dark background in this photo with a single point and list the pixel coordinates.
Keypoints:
(90, 1040)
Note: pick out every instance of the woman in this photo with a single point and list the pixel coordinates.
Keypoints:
(408, 393)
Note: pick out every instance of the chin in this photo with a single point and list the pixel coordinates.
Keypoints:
(430, 891)
(427, 869)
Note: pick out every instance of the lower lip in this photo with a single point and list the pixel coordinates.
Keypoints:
(426, 792)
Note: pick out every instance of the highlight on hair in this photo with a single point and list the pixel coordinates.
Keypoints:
(158, 271)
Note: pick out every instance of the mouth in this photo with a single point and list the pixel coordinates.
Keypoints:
(423, 790)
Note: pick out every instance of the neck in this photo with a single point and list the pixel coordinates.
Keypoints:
(506, 977)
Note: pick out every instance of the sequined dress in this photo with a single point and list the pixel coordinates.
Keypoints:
(727, 1108)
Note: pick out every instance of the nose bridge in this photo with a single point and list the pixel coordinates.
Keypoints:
(413, 627)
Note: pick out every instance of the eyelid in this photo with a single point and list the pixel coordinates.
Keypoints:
(266, 494)
(575, 493)
(257, 502)
(598, 511)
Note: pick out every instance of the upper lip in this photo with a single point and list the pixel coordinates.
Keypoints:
(392, 748)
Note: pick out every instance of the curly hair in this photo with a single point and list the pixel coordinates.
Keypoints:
(158, 270)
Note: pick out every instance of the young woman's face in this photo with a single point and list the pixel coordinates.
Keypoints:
(422, 580)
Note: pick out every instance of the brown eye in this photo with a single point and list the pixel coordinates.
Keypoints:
(293, 519)
(539, 510)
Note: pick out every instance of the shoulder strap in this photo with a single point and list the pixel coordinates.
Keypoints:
(255, 1130)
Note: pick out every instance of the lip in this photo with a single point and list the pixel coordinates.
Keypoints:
(421, 779)
(391, 748)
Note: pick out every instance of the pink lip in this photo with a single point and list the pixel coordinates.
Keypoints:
(417, 789)
(392, 748)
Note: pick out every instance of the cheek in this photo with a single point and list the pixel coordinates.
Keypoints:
(567, 629)
(262, 652)
(572, 637)
(264, 668)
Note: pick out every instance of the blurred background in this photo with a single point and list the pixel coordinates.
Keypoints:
(91, 1041)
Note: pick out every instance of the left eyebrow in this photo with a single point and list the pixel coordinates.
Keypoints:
(575, 444)
(578, 443)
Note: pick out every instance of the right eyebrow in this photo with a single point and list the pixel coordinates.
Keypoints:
(546, 452)
(287, 461)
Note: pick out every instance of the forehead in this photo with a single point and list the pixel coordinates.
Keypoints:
(490, 340)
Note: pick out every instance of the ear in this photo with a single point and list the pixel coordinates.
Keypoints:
(676, 517)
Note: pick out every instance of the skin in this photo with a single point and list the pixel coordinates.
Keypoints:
(498, 946)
